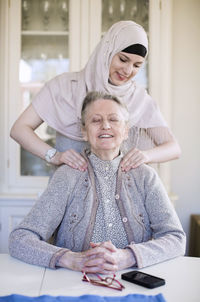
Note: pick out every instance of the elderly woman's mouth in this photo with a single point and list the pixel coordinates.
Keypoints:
(105, 136)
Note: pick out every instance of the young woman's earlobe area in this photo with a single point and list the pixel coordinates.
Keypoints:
(126, 132)
(84, 134)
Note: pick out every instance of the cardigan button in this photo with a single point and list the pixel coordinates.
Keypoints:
(117, 196)
(124, 219)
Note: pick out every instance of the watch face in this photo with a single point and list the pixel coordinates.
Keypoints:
(50, 153)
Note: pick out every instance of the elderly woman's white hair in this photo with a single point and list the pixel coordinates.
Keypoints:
(93, 96)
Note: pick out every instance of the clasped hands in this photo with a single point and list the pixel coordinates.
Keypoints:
(133, 159)
(103, 258)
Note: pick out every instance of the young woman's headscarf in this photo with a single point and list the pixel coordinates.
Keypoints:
(143, 110)
(59, 102)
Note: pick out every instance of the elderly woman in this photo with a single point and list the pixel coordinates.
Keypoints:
(104, 219)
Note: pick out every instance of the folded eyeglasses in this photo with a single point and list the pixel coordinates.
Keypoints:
(96, 279)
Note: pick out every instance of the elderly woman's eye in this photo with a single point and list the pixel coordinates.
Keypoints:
(96, 120)
(114, 119)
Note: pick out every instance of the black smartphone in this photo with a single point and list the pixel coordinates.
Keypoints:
(143, 279)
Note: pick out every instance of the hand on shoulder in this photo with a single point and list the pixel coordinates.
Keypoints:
(71, 158)
(133, 159)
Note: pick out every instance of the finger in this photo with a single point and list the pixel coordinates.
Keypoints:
(109, 267)
(100, 255)
(74, 166)
(101, 267)
(98, 270)
(128, 166)
(134, 161)
(131, 159)
(107, 244)
(101, 258)
(71, 164)
(98, 250)
(97, 261)
(138, 163)
(74, 160)
(128, 156)
(94, 244)
(77, 156)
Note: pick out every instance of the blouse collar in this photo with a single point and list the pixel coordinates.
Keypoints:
(101, 166)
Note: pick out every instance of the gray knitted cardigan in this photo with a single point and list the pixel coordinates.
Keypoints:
(68, 206)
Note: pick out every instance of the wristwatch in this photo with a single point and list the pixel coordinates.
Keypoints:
(50, 154)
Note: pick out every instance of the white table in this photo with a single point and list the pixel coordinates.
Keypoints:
(17, 277)
(182, 277)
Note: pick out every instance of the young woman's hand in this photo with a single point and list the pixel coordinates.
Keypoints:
(71, 158)
(133, 159)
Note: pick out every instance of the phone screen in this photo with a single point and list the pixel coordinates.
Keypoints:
(143, 279)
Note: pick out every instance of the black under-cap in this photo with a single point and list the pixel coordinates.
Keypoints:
(137, 49)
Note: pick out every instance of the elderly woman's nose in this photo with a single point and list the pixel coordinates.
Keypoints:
(105, 124)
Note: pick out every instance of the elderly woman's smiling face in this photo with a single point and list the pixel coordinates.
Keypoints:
(105, 128)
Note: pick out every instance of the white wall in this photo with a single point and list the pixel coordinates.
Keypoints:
(186, 107)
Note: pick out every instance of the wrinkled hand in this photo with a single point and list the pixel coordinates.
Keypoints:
(118, 259)
(102, 258)
(95, 260)
(133, 159)
(71, 158)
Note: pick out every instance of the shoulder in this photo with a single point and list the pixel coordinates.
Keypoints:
(67, 171)
(146, 180)
(69, 176)
(56, 85)
(143, 170)
(141, 94)
(139, 88)
(62, 79)
(144, 174)
(61, 88)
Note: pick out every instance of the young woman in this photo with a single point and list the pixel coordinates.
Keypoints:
(104, 219)
(111, 69)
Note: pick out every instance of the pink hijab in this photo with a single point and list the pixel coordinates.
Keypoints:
(59, 102)
(143, 110)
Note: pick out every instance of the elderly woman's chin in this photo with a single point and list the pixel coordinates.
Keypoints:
(108, 144)
(106, 150)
